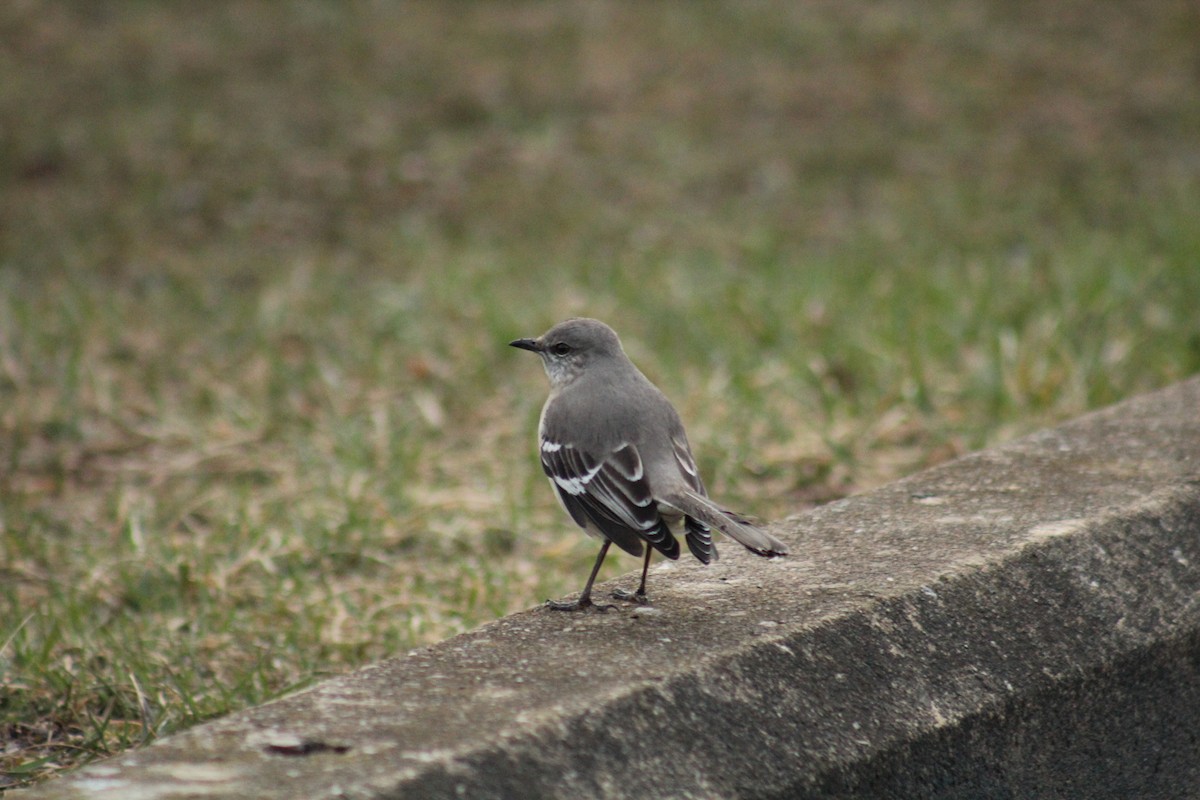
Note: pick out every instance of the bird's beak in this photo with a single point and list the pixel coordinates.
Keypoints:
(527, 344)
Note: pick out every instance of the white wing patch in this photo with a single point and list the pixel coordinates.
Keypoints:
(576, 485)
(607, 493)
(612, 486)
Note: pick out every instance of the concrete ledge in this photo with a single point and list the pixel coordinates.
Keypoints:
(1021, 622)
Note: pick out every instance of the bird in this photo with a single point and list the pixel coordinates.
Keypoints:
(616, 453)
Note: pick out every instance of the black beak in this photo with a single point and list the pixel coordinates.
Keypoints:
(526, 344)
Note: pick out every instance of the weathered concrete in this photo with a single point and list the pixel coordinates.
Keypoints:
(1022, 622)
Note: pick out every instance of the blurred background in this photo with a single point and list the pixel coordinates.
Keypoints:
(259, 262)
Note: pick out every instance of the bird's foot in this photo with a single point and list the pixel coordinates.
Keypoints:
(638, 597)
(582, 604)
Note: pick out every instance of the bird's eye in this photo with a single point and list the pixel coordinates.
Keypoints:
(561, 349)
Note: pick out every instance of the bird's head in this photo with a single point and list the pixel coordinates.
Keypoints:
(572, 346)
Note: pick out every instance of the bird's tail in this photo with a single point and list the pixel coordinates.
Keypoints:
(733, 525)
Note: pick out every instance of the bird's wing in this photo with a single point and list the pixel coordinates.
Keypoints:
(609, 490)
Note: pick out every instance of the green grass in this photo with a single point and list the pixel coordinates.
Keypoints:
(259, 262)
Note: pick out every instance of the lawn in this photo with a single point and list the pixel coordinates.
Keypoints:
(259, 263)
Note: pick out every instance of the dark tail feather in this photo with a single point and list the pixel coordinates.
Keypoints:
(662, 540)
(735, 526)
(699, 540)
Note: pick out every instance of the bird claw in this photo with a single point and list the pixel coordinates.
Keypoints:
(638, 597)
(582, 604)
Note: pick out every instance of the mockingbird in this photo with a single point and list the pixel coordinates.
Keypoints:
(618, 458)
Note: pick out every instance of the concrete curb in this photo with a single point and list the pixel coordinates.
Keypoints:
(1022, 622)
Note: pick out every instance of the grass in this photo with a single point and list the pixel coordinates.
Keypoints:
(258, 264)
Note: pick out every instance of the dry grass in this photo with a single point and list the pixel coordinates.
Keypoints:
(258, 263)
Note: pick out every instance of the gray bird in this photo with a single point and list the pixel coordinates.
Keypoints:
(618, 458)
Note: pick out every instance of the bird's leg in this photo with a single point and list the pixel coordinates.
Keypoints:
(585, 597)
(639, 596)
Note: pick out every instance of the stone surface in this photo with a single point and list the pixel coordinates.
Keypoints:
(1022, 622)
